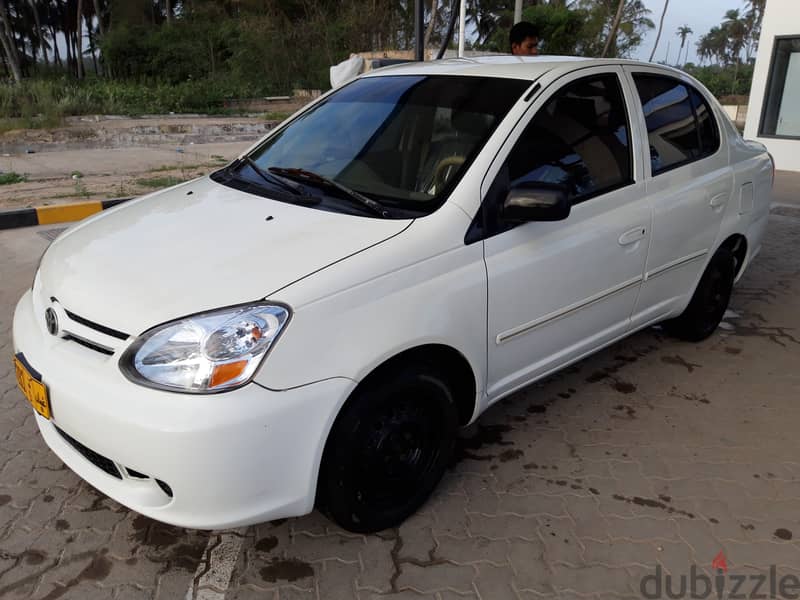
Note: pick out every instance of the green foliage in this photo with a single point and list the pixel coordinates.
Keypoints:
(580, 28)
(159, 182)
(561, 29)
(11, 177)
(45, 101)
(723, 80)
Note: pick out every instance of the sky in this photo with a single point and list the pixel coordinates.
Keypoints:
(700, 15)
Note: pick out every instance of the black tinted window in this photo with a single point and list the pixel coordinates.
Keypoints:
(579, 140)
(672, 128)
(707, 123)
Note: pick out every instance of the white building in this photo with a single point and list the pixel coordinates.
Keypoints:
(773, 115)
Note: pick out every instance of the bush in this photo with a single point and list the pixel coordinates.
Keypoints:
(719, 79)
(44, 102)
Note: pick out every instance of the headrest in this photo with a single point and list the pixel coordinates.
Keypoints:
(582, 110)
(470, 123)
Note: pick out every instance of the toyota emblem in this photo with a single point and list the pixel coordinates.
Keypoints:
(51, 320)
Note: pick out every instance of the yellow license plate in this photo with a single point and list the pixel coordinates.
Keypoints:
(33, 389)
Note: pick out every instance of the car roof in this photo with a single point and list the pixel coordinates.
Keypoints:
(515, 67)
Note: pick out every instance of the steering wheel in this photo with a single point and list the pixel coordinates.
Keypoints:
(444, 168)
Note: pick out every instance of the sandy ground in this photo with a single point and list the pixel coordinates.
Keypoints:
(75, 175)
(104, 157)
(646, 461)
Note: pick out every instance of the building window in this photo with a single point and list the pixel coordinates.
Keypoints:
(781, 112)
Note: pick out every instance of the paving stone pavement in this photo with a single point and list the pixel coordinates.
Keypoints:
(647, 458)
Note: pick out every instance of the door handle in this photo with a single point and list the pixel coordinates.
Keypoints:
(719, 200)
(632, 235)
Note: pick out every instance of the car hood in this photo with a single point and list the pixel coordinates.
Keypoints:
(195, 247)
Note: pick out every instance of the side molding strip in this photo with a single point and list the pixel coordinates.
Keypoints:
(560, 314)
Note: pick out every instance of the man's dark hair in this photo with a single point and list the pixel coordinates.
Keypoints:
(521, 31)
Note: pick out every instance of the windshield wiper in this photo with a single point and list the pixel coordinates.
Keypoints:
(305, 175)
(273, 179)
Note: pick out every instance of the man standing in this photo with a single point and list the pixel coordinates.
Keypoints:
(524, 38)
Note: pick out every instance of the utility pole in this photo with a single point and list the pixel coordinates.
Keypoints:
(462, 26)
(517, 11)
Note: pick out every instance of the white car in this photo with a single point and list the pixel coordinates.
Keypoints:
(312, 324)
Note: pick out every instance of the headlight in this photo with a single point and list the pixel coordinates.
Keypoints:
(208, 352)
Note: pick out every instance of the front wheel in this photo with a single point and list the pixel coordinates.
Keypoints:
(709, 302)
(388, 449)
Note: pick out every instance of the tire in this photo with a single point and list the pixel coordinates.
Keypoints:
(709, 302)
(388, 449)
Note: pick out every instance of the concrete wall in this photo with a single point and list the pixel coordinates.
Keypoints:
(737, 113)
(781, 17)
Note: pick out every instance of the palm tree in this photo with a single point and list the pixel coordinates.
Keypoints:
(684, 32)
(753, 18)
(612, 34)
(714, 45)
(737, 31)
(660, 27)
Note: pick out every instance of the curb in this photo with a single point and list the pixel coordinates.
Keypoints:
(58, 213)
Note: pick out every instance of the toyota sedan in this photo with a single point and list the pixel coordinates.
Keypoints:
(312, 324)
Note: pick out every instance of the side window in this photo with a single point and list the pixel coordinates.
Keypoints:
(579, 140)
(681, 127)
(707, 123)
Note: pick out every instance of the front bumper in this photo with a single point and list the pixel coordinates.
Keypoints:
(229, 459)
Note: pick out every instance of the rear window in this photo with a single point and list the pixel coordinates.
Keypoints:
(681, 127)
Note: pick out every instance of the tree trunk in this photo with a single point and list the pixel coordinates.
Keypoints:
(79, 40)
(8, 44)
(612, 35)
(40, 32)
(56, 53)
(68, 44)
(211, 55)
(100, 25)
(92, 46)
(169, 12)
(660, 27)
(432, 24)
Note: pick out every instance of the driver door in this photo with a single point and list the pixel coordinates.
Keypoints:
(559, 290)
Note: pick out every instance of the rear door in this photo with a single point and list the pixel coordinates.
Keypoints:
(689, 185)
(558, 290)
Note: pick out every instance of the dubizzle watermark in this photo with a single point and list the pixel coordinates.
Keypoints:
(722, 586)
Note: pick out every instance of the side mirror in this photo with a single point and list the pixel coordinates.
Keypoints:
(536, 202)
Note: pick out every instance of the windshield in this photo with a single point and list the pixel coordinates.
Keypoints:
(404, 140)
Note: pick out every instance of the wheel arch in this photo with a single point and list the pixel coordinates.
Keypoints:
(454, 365)
(737, 244)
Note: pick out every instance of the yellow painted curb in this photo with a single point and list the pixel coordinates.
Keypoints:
(67, 212)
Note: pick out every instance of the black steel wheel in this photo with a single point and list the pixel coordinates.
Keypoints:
(388, 449)
(709, 302)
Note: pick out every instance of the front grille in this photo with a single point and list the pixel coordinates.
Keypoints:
(96, 326)
(98, 460)
(136, 474)
(87, 344)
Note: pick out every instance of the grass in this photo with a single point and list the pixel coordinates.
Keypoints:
(30, 122)
(276, 116)
(11, 177)
(159, 182)
(43, 102)
(191, 167)
(76, 194)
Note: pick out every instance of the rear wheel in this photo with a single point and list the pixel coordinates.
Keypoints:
(388, 449)
(709, 302)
